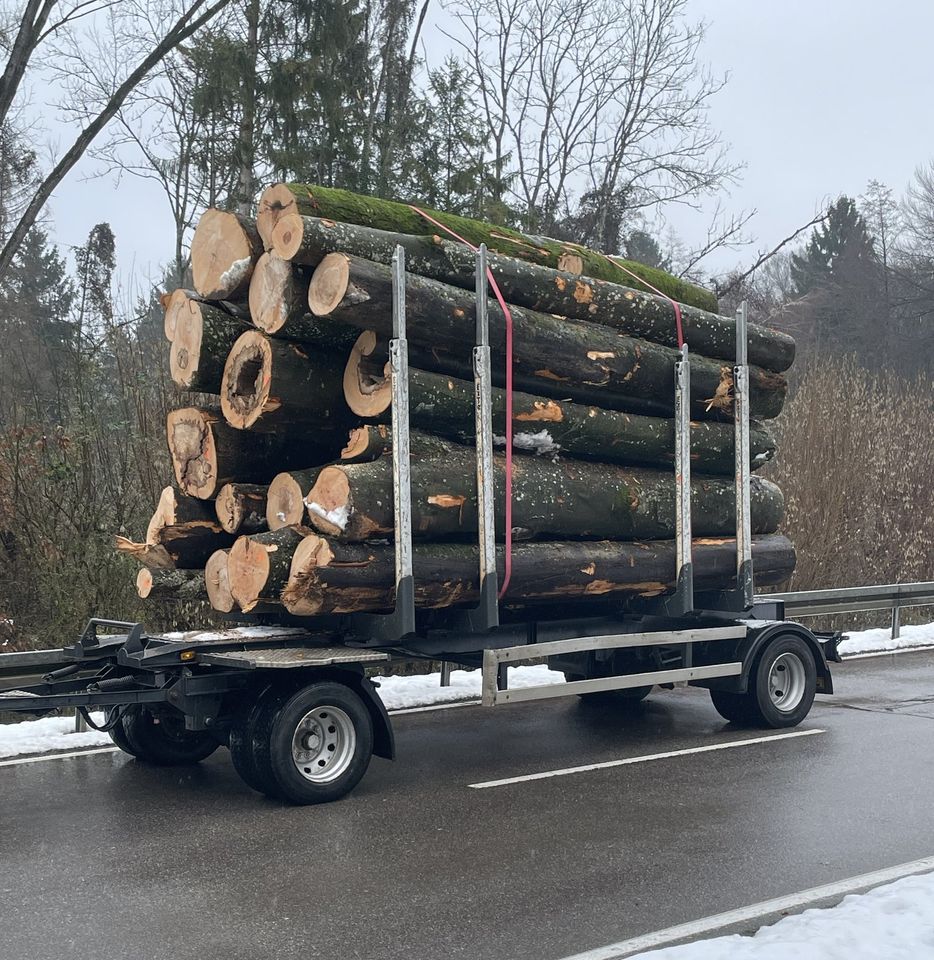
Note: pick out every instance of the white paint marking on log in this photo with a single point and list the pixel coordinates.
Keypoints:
(756, 911)
(628, 761)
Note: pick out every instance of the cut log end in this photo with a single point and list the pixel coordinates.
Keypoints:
(272, 290)
(144, 582)
(328, 501)
(276, 202)
(246, 381)
(241, 507)
(367, 386)
(222, 256)
(185, 352)
(313, 552)
(217, 583)
(287, 235)
(174, 303)
(247, 571)
(149, 554)
(366, 443)
(194, 455)
(328, 284)
(285, 504)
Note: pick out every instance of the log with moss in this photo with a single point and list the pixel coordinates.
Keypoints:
(565, 500)
(258, 567)
(308, 240)
(291, 388)
(445, 405)
(207, 452)
(177, 585)
(203, 336)
(586, 362)
(224, 249)
(283, 199)
(327, 576)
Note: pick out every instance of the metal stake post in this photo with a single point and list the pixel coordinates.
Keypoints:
(685, 570)
(744, 573)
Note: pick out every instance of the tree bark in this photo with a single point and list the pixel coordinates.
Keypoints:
(285, 506)
(178, 549)
(332, 577)
(562, 358)
(308, 240)
(566, 500)
(277, 385)
(217, 583)
(258, 566)
(181, 515)
(445, 405)
(241, 508)
(171, 584)
(203, 336)
(224, 249)
(279, 306)
(283, 199)
(207, 453)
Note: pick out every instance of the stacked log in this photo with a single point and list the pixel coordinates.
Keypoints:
(282, 497)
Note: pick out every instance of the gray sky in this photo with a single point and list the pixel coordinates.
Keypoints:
(823, 96)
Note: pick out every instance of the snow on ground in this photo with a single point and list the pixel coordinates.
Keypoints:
(892, 922)
(398, 693)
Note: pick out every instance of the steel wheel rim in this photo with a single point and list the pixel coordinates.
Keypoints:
(787, 682)
(323, 744)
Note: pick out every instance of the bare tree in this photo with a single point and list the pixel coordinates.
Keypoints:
(597, 97)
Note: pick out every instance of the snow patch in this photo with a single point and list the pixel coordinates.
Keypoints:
(541, 442)
(880, 639)
(339, 517)
(49, 733)
(892, 922)
(236, 273)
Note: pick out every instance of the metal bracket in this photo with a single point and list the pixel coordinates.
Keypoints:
(682, 601)
(401, 621)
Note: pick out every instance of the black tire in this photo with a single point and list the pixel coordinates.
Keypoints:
(341, 736)
(763, 706)
(241, 741)
(629, 695)
(166, 743)
(118, 735)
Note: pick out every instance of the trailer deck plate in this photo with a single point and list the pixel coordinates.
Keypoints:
(290, 657)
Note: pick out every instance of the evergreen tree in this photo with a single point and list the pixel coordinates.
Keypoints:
(644, 248)
(841, 244)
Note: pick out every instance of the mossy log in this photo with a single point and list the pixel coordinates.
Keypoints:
(171, 584)
(308, 240)
(277, 385)
(552, 355)
(241, 507)
(258, 567)
(445, 405)
(332, 577)
(217, 583)
(565, 500)
(207, 452)
(203, 336)
(343, 206)
(224, 249)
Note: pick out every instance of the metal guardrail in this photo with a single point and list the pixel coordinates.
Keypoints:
(890, 596)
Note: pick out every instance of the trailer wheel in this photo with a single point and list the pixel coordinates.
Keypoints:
(781, 687)
(166, 742)
(118, 735)
(241, 741)
(313, 746)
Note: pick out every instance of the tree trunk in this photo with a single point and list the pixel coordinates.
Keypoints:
(561, 357)
(332, 577)
(277, 385)
(178, 549)
(170, 584)
(258, 566)
(445, 405)
(204, 335)
(279, 306)
(241, 507)
(308, 240)
(566, 500)
(181, 515)
(207, 453)
(223, 251)
(283, 199)
(177, 302)
(217, 583)
(285, 506)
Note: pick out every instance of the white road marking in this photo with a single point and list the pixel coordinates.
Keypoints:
(57, 756)
(627, 761)
(755, 911)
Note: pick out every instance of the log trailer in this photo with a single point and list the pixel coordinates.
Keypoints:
(296, 706)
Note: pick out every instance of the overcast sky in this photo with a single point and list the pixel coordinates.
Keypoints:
(823, 96)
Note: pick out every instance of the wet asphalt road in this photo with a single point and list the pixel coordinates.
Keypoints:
(101, 857)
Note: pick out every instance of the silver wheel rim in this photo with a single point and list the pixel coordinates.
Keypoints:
(323, 744)
(787, 682)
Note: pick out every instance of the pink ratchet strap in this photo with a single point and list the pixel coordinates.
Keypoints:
(508, 317)
(645, 283)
